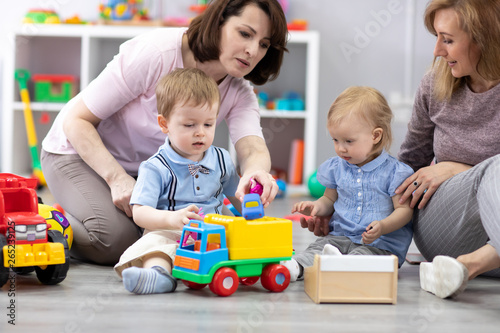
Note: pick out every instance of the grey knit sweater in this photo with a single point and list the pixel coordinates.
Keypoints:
(465, 129)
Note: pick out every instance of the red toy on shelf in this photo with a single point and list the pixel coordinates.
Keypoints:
(55, 88)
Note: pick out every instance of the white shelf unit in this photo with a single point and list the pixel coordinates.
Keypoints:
(84, 51)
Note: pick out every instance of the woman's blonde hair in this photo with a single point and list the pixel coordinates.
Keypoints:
(183, 86)
(480, 19)
(369, 105)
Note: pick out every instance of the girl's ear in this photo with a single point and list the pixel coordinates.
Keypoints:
(163, 123)
(377, 135)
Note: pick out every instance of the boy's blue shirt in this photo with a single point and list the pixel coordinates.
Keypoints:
(164, 181)
(365, 195)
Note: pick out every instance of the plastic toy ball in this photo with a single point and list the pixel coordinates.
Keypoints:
(281, 188)
(315, 188)
(57, 221)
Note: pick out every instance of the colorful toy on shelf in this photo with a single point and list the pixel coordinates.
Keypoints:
(199, 7)
(75, 19)
(229, 250)
(55, 88)
(125, 12)
(25, 239)
(117, 9)
(41, 16)
(298, 24)
(22, 76)
(289, 101)
(352, 279)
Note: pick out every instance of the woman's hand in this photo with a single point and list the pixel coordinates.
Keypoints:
(319, 225)
(269, 186)
(426, 181)
(121, 191)
(255, 162)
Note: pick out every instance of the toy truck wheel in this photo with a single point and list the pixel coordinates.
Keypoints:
(249, 281)
(4, 271)
(275, 277)
(194, 285)
(225, 282)
(23, 270)
(53, 274)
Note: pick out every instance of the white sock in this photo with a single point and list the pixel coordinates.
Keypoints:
(294, 268)
(331, 250)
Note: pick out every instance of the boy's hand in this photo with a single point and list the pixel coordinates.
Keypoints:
(373, 231)
(181, 217)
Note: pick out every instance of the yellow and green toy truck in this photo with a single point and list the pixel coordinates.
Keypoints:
(226, 250)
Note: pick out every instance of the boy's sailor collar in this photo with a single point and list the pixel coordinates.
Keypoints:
(208, 160)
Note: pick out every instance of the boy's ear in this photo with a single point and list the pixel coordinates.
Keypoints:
(163, 123)
(377, 135)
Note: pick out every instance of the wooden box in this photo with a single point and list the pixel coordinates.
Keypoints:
(352, 279)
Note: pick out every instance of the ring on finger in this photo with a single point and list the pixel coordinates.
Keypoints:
(415, 183)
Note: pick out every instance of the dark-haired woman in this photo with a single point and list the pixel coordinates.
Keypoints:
(93, 150)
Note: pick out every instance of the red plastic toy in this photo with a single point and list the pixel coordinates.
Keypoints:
(26, 242)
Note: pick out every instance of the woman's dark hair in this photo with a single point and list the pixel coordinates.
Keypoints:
(204, 35)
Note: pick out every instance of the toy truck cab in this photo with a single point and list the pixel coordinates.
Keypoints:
(207, 247)
(25, 241)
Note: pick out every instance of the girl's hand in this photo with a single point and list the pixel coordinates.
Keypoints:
(269, 186)
(426, 181)
(373, 231)
(305, 207)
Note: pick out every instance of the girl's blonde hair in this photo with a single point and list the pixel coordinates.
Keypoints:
(480, 20)
(367, 104)
(183, 86)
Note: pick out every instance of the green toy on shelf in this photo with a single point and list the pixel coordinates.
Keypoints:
(54, 88)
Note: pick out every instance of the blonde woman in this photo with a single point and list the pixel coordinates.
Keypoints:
(455, 123)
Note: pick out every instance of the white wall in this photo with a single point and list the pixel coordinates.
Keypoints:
(380, 43)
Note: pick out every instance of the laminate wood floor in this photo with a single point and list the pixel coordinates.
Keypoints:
(93, 299)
